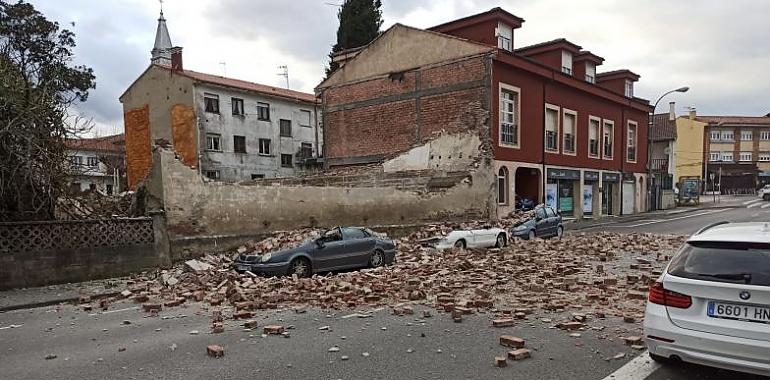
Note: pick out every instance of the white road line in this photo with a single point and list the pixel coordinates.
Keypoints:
(637, 369)
(653, 221)
(753, 205)
(676, 212)
(10, 327)
(119, 310)
(766, 205)
(752, 201)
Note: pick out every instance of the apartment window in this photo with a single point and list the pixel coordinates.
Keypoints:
(593, 137)
(566, 62)
(286, 160)
(764, 157)
(77, 160)
(92, 186)
(211, 102)
(212, 174)
(502, 186)
(306, 150)
(239, 144)
(213, 142)
(727, 136)
(504, 37)
(745, 156)
(590, 72)
(263, 111)
(237, 106)
(746, 136)
(714, 156)
(631, 143)
(569, 126)
(304, 118)
(715, 136)
(727, 156)
(264, 147)
(764, 135)
(509, 116)
(607, 138)
(629, 89)
(285, 128)
(92, 161)
(257, 176)
(552, 128)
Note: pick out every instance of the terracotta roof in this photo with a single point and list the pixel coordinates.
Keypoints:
(548, 45)
(738, 120)
(114, 143)
(663, 129)
(622, 73)
(245, 85)
(495, 12)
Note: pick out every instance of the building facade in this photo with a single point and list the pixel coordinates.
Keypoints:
(663, 159)
(560, 132)
(228, 129)
(98, 164)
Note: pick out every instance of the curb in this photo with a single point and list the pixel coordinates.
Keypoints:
(33, 305)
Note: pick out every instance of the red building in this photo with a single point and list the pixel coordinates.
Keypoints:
(561, 132)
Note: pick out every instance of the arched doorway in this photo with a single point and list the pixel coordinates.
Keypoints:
(527, 182)
(502, 186)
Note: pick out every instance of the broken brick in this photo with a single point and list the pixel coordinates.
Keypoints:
(215, 351)
(500, 361)
(504, 322)
(511, 341)
(273, 329)
(520, 354)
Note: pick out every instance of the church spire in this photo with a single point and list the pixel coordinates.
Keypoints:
(160, 51)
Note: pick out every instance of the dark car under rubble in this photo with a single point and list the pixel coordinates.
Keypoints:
(337, 249)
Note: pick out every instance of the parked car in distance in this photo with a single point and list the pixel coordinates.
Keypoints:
(764, 192)
(546, 223)
(524, 204)
(711, 305)
(488, 237)
(337, 249)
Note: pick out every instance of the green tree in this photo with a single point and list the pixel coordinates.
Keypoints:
(360, 22)
(38, 84)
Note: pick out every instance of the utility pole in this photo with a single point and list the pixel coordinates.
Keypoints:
(284, 73)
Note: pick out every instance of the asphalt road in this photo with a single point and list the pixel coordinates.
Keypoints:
(88, 346)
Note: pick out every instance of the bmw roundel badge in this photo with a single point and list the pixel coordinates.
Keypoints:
(744, 295)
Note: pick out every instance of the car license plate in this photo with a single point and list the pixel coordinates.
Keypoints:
(244, 267)
(752, 313)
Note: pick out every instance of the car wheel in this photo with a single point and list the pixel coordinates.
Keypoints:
(377, 259)
(300, 267)
(660, 359)
(460, 244)
(532, 235)
(559, 232)
(501, 240)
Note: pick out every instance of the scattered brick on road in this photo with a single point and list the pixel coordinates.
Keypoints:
(215, 351)
(520, 354)
(511, 341)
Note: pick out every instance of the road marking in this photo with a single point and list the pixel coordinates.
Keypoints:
(637, 369)
(752, 201)
(676, 212)
(766, 205)
(753, 205)
(10, 327)
(653, 221)
(119, 310)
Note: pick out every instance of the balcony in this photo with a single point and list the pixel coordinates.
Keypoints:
(659, 164)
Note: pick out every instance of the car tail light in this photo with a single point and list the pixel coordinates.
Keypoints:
(661, 296)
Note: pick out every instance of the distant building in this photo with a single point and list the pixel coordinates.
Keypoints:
(98, 164)
(663, 158)
(227, 129)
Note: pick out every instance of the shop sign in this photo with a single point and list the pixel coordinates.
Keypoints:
(564, 174)
(610, 177)
(590, 176)
(629, 177)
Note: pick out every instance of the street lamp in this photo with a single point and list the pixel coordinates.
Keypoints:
(649, 144)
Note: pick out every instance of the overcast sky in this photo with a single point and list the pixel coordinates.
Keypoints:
(718, 48)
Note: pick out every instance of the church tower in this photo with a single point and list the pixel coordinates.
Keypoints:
(161, 51)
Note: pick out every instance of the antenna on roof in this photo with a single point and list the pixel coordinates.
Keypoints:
(224, 68)
(284, 73)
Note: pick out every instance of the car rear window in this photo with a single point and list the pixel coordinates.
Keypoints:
(738, 263)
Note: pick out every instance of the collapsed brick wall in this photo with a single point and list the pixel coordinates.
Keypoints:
(138, 150)
(387, 115)
(183, 130)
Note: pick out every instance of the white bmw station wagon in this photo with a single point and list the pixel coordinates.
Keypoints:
(711, 305)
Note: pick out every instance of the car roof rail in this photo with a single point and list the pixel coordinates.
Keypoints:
(710, 226)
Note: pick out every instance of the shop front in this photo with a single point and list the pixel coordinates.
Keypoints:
(590, 189)
(561, 188)
(610, 190)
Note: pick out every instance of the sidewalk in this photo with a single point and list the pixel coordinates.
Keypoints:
(727, 202)
(28, 298)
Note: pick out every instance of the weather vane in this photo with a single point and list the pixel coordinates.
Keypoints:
(161, 5)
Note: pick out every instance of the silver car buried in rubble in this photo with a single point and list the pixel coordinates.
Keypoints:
(337, 249)
(487, 237)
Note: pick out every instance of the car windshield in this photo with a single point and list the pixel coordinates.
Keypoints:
(743, 263)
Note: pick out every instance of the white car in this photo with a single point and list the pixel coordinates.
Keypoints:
(711, 305)
(481, 238)
(764, 192)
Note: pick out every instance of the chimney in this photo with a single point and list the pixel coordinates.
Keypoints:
(671, 111)
(176, 58)
(692, 113)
